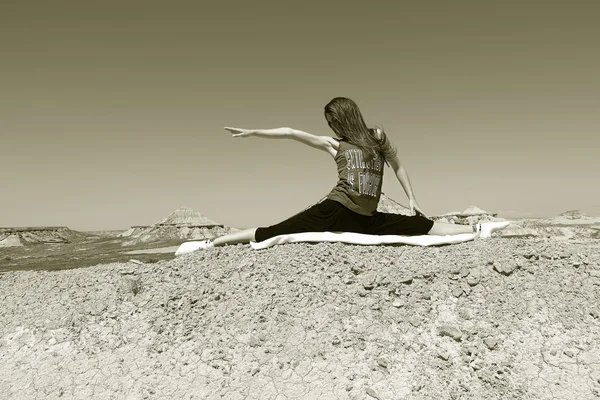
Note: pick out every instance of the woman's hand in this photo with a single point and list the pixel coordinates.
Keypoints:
(239, 132)
(414, 207)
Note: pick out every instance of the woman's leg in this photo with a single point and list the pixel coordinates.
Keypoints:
(406, 225)
(245, 236)
(485, 229)
(443, 229)
(317, 218)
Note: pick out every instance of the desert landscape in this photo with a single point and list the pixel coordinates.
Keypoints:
(114, 315)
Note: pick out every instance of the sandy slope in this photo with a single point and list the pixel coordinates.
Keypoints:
(496, 319)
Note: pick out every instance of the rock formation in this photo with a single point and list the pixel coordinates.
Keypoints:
(568, 225)
(471, 215)
(388, 205)
(184, 223)
(12, 237)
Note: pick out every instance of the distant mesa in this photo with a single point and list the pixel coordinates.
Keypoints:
(388, 205)
(470, 211)
(572, 217)
(21, 236)
(184, 223)
(573, 214)
(471, 215)
(572, 224)
(186, 216)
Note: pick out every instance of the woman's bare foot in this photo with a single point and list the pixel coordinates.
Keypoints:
(486, 228)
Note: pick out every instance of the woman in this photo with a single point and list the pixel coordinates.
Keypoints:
(351, 206)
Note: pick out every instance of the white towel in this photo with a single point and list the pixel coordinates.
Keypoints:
(346, 237)
(360, 238)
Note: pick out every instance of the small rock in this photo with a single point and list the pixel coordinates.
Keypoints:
(576, 264)
(254, 342)
(595, 313)
(443, 354)
(490, 342)
(414, 321)
(474, 277)
(382, 362)
(407, 279)
(465, 288)
(397, 303)
(506, 267)
(357, 269)
(426, 295)
(569, 353)
(457, 292)
(369, 281)
(372, 393)
(464, 272)
(477, 364)
(450, 331)
(138, 262)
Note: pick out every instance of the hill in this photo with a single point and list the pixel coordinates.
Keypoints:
(490, 319)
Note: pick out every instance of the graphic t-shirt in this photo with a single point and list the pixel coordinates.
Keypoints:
(359, 180)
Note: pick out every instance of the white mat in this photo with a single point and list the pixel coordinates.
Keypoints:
(360, 238)
(346, 237)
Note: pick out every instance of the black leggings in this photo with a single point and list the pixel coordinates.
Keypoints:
(331, 216)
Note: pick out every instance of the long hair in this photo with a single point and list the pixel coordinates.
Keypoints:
(346, 121)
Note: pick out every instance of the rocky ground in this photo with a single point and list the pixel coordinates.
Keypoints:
(490, 319)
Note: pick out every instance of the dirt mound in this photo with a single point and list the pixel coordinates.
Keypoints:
(490, 319)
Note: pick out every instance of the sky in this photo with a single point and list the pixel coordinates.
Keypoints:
(112, 112)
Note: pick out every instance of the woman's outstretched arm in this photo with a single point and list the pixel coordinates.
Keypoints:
(325, 143)
(404, 180)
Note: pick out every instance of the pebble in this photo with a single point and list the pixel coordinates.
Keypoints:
(505, 267)
(372, 393)
(382, 362)
(443, 354)
(356, 269)
(490, 342)
(369, 281)
(407, 279)
(426, 295)
(397, 303)
(450, 331)
(464, 272)
(474, 278)
(465, 288)
(569, 353)
(457, 292)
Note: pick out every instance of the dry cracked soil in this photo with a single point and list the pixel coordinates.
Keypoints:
(495, 319)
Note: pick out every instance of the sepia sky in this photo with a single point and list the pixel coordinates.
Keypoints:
(111, 113)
